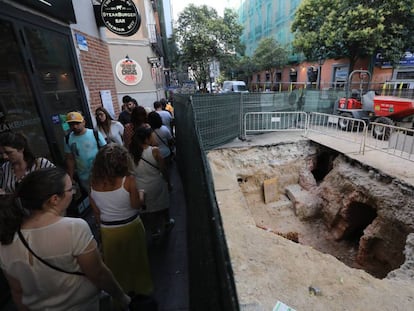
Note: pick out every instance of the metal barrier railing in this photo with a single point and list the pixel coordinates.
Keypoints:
(391, 139)
(345, 128)
(260, 122)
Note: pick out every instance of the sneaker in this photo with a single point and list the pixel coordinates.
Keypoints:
(169, 225)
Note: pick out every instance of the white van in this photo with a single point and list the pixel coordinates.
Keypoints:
(234, 86)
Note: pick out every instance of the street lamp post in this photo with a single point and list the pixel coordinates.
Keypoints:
(321, 61)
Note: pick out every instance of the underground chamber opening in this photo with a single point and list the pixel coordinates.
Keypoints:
(358, 217)
(366, 252)
(323, 165)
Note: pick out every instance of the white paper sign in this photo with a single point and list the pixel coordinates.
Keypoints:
(280, 306)
(333, 120)
(107, 103)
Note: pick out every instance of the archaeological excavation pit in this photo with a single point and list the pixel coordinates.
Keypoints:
(315, 196)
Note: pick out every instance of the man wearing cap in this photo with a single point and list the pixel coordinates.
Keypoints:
(81, 147)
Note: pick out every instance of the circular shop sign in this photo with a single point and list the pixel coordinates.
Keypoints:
(120, 16)
(128, 71)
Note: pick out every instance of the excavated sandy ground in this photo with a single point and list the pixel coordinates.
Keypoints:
(269, 268)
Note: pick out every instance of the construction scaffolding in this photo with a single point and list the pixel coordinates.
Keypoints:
(267, 18)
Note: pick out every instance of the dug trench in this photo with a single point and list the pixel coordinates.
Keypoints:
(318, 199)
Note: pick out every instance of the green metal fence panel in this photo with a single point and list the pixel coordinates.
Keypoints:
(319, 101)
(217, 118)
(211, 282)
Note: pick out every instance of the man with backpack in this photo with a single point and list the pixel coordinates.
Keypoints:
(81, 146)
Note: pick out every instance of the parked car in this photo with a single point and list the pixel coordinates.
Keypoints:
(234, 86)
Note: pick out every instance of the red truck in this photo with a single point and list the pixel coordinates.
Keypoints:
(388, 110)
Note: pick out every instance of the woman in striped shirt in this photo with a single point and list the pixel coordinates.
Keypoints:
(19, 161)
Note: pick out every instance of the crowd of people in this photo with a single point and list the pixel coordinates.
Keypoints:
(54, 262)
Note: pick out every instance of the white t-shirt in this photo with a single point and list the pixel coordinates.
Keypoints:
(116, 132)
(165, 117)
(163, 135)
(45, 288)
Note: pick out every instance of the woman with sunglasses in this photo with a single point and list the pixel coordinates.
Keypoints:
(50, 261)
(112, 131)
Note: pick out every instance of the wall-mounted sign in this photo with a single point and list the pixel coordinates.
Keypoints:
(128, 71)
(153, 60)
(82, 43)
(107, 103)
(120, 16)
(406, 60)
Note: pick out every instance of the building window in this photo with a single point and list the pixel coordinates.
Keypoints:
(404, 75)
(340, 75)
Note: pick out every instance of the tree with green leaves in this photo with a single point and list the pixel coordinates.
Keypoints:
(270, 55)
(354, 29)
(245, 68)
(202, 36)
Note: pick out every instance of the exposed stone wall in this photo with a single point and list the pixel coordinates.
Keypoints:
(284, 161)
(406, 271)
(383, 241)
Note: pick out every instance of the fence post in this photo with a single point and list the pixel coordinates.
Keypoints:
(364, 138)
(242, 132)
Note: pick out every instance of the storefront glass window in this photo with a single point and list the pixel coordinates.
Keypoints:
(56, 75)
(18, 112)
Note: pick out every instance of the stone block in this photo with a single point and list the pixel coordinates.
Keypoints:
(305, 204)
(270, 190)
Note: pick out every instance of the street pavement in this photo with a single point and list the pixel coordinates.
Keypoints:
(168, 257)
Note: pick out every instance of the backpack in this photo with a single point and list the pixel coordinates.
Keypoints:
(95, 133)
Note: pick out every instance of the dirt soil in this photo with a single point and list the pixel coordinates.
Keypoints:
(314, 274)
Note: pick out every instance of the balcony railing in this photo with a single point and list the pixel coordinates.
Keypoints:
(155, 39)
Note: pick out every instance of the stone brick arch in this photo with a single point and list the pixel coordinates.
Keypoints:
(358, 216)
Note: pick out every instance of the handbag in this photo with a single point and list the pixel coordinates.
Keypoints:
(164, 174)
(172, 151)
(42, 260)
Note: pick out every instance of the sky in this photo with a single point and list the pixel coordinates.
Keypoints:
(219, 5)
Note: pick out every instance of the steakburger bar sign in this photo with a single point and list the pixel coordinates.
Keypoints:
(120, 16)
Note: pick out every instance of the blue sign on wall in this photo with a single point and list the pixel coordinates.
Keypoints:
(406, 60)
(81, 41)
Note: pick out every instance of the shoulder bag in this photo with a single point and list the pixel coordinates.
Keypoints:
(42, 260)
(172, 152)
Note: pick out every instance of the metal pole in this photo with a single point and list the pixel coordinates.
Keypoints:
(319, 76)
